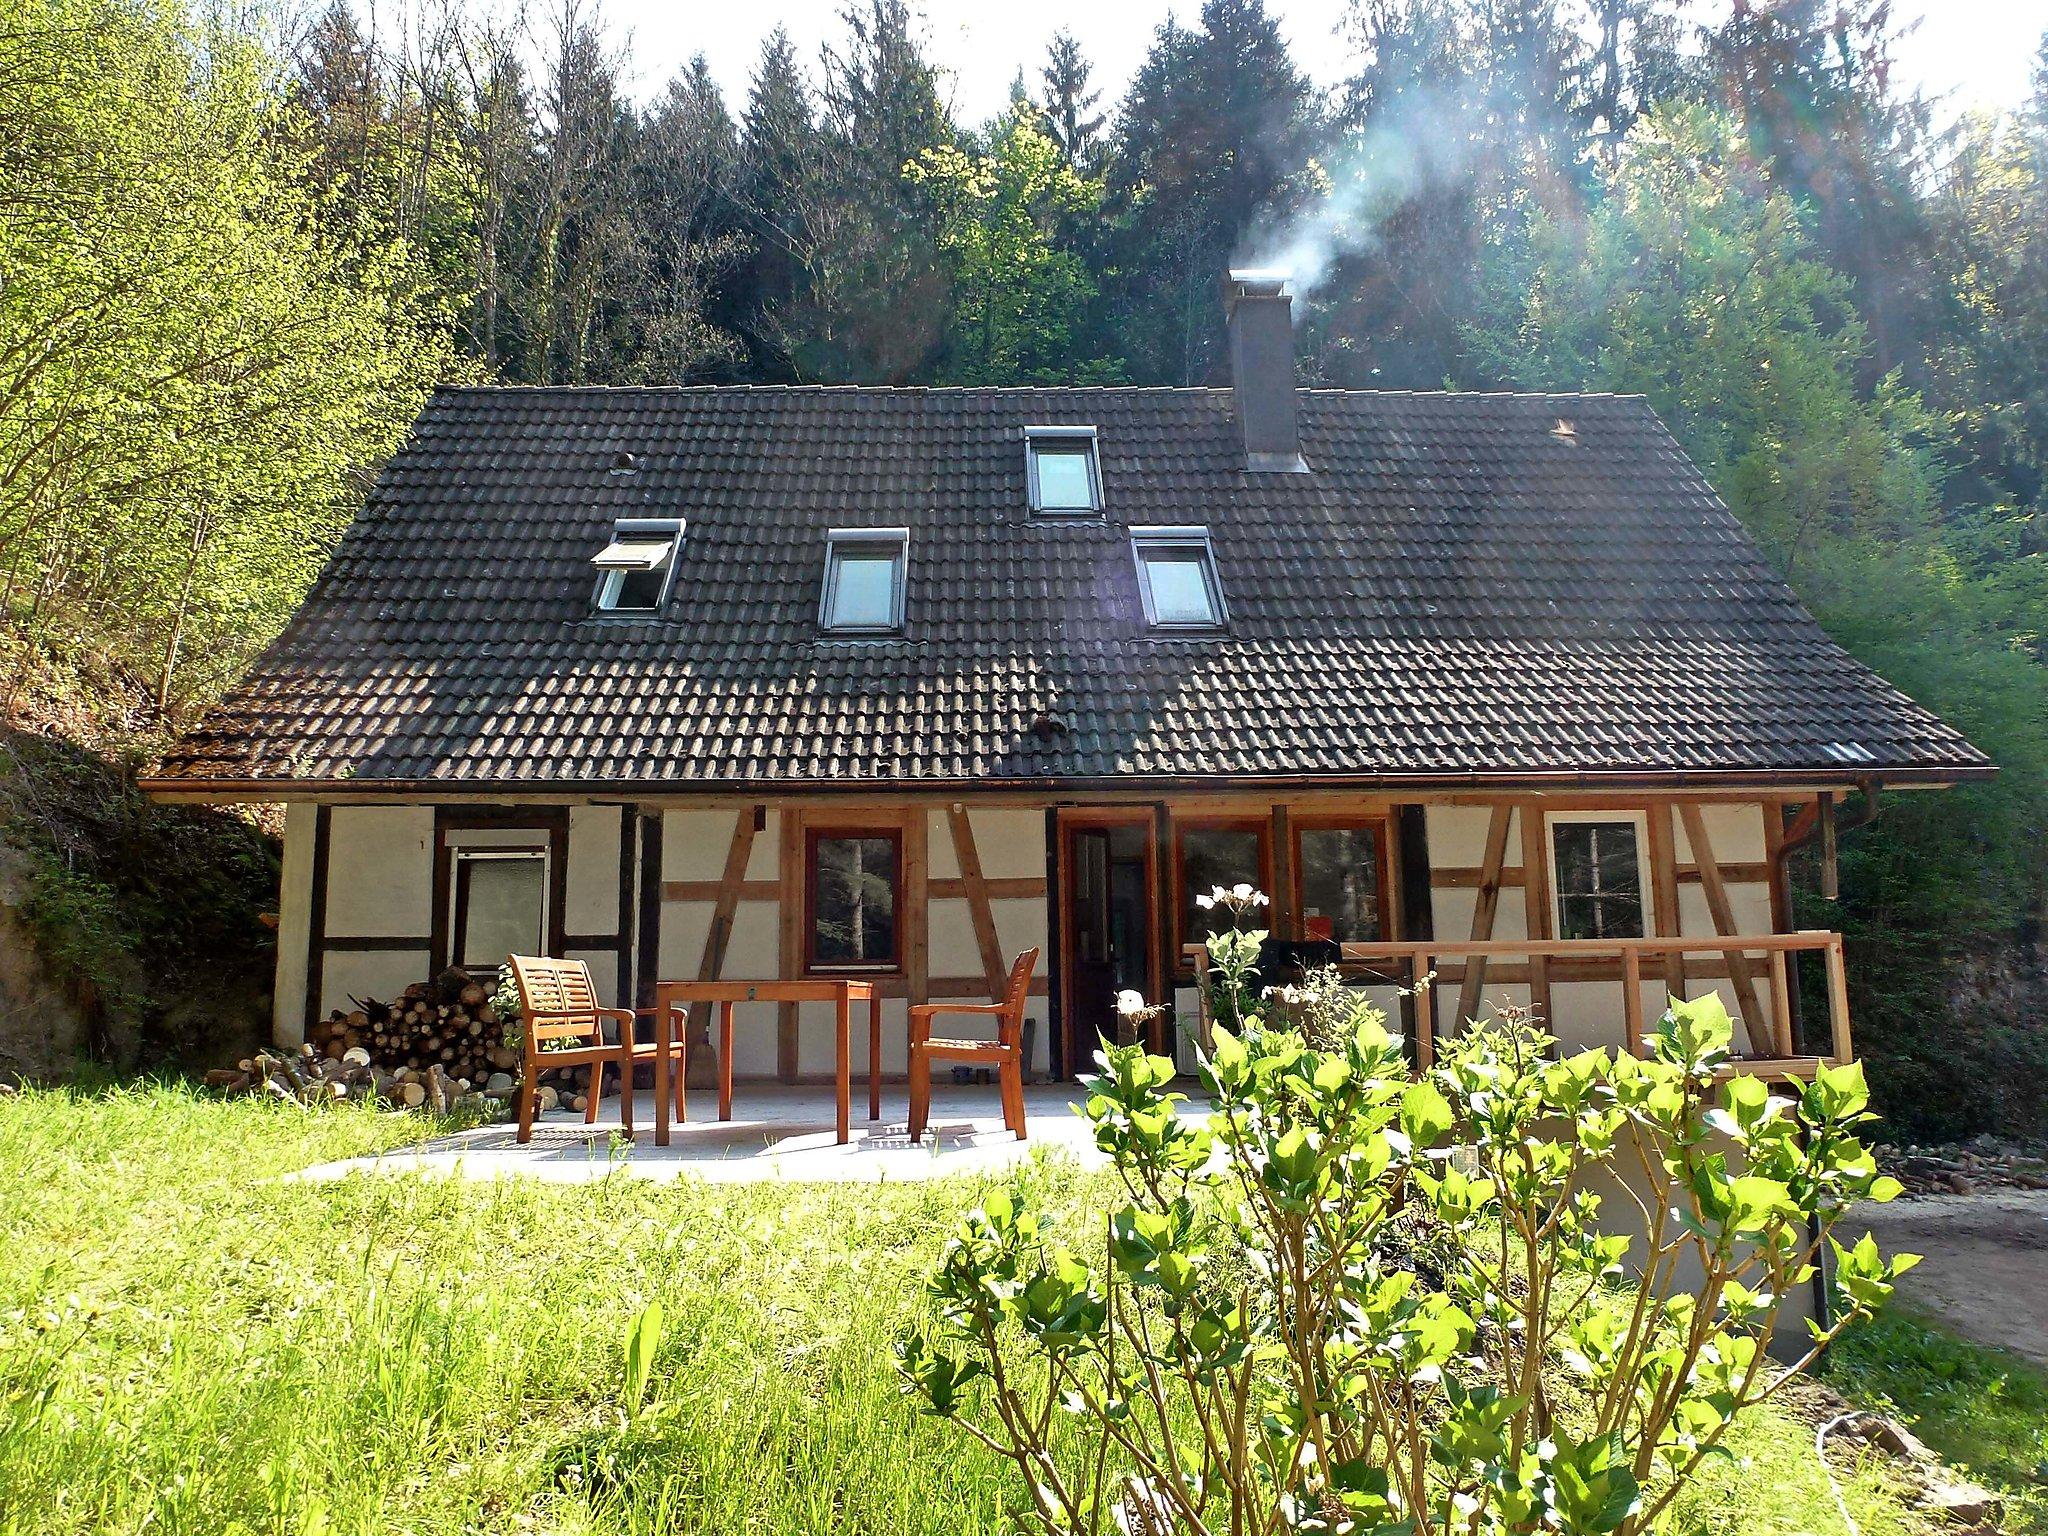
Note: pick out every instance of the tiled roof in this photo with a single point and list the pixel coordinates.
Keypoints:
(1461, 588)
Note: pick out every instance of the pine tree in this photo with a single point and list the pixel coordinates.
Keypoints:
(1069, 103)
(1212, 140)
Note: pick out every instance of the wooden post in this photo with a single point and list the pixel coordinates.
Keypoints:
(1664, 881)
(1838, 1001)
(1781, 1001)
(1287, 922)
(1425, 1013)
(1830, 879)
(1632, 999)
(1724, 916)
(1536, 906)
(792, 925)
(1483, 911)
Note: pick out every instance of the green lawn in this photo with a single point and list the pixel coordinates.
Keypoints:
(189, 1346)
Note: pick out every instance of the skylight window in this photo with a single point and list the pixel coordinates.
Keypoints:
(1064, 473)
(1177, 578)
(635, 569)
(864, 580)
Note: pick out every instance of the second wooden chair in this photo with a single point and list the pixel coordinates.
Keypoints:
(1005, 1053)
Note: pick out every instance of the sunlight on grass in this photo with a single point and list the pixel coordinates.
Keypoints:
(188, 1345)
(1983, 1409)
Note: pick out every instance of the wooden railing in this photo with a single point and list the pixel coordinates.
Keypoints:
(1424, 964)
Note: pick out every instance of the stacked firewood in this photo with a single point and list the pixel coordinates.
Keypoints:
(439, 1046)
(449, 1020)
(306, 1076)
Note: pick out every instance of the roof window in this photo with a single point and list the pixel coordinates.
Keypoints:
(1177, 578)
(1062, 470)
(635, 569)
(864, 580)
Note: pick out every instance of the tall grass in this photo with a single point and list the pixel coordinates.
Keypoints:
(188, 1345)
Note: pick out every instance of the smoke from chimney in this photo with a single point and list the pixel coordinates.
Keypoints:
(1260, 314)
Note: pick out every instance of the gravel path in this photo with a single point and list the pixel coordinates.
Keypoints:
(1985, 1270)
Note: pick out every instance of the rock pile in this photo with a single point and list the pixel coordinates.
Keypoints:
(1982, 1163)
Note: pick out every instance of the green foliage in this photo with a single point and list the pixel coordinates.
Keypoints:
(149, 914)
(1019, 291)
(188, 1344)
(1695, 281)
(194, 371)
(1237, 1353)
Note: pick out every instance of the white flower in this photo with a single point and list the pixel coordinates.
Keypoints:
(1206, 902)
(1242, 891)
(1130, 1004)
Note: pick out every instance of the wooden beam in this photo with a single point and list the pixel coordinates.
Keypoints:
(995, 887)
(1280, 838)
(790, 928)
(1664, 890)
(1483, 911)
(978, 909)
(1536, 906)
(712, 890)
(1468, 876)
(716, 937)
(1724, 918)
(916, 915)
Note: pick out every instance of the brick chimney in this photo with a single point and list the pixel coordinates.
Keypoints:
(1261, 318)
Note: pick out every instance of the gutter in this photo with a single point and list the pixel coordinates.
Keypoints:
(1057, 785)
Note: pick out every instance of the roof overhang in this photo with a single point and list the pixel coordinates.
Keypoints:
(1054, 787)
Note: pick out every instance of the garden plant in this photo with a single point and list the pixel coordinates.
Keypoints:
(1521, 1291)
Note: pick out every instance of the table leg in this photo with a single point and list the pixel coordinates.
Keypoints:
(875, 1053)
(845, 1026)
(725, 1060)
(661, 1050)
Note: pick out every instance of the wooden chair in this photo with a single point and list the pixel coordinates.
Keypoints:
(559, 1003)
(1005, 1053)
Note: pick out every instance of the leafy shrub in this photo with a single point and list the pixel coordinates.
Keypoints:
(1241, 1352)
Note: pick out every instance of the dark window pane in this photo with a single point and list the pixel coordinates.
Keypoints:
(1599, 880)
(1064, 484)
(640, 590)
(1209, 857)
(863, 591)
(853, 901)
(1180, 587)
(1340, 883)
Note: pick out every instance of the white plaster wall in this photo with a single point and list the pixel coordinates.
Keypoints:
(380, 871)
(942, 859)
(591, 896)
(1011, 842)
(954, 949)
(377, 973)
(294, 924)
(694, 844)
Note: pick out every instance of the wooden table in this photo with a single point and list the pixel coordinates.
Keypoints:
(842, 991)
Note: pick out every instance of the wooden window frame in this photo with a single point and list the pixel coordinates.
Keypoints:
(1182, 825)
(1639, 820)
(893, 835)
(1381, 827)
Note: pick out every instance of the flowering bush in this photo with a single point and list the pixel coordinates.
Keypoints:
(1235, 1350)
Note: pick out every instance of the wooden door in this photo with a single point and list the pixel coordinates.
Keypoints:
(1108, 925)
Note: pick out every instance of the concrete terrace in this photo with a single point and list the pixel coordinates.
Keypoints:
(776, 1132)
